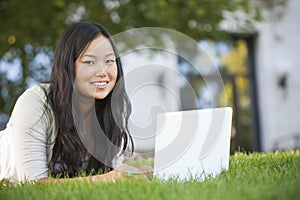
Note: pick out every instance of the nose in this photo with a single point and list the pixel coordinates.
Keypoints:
(101, 71)
(101, 74)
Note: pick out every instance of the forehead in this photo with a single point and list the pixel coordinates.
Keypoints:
(100, 44)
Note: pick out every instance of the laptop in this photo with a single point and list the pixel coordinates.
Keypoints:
(192, 145)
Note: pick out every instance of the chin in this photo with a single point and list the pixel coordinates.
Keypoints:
(99, 97)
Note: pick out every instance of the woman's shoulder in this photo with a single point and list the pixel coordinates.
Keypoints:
(35, 96)
(28, 110)
(40, 89)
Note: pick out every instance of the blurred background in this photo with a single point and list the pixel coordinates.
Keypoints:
(254, 45)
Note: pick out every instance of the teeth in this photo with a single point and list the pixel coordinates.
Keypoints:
(100, 83)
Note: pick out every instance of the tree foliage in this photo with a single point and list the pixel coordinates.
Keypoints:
(29, 28)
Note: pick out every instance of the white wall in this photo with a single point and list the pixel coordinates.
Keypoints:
(278, 53)
(152, 85)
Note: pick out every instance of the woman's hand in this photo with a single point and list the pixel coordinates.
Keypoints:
(128, 172)
(122, 172)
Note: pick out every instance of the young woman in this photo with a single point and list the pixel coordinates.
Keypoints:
(76, 123)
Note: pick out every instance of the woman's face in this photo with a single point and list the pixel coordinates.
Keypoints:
(96, 69)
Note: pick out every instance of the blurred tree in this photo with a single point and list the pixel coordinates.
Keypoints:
(30, 29)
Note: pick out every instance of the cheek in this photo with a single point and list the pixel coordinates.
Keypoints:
(115, 72)
(112, 72)
(82, 73)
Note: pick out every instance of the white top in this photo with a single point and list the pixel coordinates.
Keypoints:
(27, 142)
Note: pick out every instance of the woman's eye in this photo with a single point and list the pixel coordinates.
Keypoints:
(110, 61)
(88, 62)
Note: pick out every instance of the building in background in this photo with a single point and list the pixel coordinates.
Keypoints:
(278, 71)
(260, 72)
(265, 93)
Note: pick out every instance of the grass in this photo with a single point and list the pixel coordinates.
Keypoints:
(250, 176)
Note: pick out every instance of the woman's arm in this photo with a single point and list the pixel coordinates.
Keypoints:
(122, 172)
(108, 177)
(27, 128)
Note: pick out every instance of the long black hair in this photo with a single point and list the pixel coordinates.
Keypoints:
(68, 148)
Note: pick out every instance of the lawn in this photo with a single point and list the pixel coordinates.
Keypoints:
(250, 176)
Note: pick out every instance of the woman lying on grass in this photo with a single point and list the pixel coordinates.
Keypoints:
(77, 122)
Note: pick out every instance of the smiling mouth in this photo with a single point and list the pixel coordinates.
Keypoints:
(100, 85)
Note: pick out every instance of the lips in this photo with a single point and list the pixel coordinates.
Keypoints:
(100, 84)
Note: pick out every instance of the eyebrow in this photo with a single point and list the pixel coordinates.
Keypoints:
(110, 54)
(88, 55)
(94, 56)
